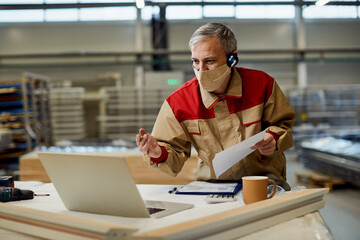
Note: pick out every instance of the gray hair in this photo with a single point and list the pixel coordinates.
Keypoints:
(224, 34)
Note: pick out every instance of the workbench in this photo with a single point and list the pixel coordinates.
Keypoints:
(187, 224)
(31, 168)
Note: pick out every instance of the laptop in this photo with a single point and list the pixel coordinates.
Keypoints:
(101, 184)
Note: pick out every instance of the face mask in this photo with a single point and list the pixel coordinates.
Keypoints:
(211, 80)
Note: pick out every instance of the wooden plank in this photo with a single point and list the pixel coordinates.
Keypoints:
(266, 222)
(58, 226)
(31, 169)
(144, 174)
(225, 225)
(315, 179)
(235, 218)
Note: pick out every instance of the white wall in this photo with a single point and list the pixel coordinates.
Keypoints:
(65, 37)
(333, 33)
(22, 38)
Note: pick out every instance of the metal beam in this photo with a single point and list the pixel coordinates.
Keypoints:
(169, 52)
(147, 3)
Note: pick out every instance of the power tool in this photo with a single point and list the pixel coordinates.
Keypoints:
(9, 193)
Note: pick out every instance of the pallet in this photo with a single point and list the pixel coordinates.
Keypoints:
(315, 179)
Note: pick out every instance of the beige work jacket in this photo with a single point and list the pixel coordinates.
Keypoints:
(191, 116)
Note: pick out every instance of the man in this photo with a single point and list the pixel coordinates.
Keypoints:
(220, 107)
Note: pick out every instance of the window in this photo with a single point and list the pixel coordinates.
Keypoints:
(61, 1)
(159, 1)
(61, 15)
(219, 11)
(184, 12)
(330, 12)
(21, 15)
(263, 12)
(148, 11)
(21, 1)
(108, 14)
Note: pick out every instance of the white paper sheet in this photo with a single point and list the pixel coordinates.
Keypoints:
(227, 158)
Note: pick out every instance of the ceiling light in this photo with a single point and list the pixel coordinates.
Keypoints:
(140, 3)
(321, 2)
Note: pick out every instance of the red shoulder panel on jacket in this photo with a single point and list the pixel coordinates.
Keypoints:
(257, 89)
(186, 102)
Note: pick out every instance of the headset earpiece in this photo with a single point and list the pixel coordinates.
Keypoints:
(232, 60)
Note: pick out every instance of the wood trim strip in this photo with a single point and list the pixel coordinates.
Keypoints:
(267, 222)
(58, 226)
(235, 218)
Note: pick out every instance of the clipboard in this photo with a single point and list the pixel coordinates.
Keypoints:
(206, 188)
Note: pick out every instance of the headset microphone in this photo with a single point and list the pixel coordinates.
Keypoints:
(232, 60)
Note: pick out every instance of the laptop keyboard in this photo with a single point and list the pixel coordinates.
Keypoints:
(154, 210)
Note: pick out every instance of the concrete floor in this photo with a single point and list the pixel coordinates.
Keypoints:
(342, 208)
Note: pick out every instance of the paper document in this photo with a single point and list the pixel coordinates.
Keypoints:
(227, 158)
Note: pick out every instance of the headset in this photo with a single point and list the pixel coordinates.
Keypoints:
(232, 59)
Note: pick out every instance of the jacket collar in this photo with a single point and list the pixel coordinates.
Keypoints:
(234, 90)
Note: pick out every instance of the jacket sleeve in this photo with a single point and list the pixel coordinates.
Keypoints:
(279, 117)
(169, 133)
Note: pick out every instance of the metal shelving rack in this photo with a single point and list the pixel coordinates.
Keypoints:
(5, 138)
(335, 106)
(25, 113)
(326, 116)
(123, 110)
(333, 156)
(67, 113)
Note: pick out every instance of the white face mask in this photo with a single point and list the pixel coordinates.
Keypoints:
(211, 80)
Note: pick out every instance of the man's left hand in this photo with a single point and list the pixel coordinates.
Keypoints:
(266, 146)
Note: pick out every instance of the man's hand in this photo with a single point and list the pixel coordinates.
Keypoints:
(147, 144)
(266, 146)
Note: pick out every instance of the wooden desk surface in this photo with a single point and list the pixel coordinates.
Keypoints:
(294, 214)
(31, 169)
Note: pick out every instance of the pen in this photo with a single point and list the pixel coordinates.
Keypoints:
(172, 190)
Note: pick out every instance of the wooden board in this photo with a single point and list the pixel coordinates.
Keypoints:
(58, 226)
(229, 224)
(144, 174)
(315, 179)
(243, 220)
(252, 227)
(31, 169)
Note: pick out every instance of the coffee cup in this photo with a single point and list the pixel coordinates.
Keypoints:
(255, 188)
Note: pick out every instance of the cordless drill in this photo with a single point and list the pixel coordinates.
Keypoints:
(15, 194)
(9, 193)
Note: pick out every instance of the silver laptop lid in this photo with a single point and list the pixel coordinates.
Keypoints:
(94, 184)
